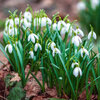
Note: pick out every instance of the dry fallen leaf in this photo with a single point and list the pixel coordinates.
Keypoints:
(15, 78)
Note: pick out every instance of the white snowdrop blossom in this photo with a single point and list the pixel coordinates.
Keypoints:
(81, 6)
(37, 45)
(9, 48)
(54, 26)
(60, 78)
(49, 21)
(13, 31)
(28, 16)
(31, 54)
(37, 21)
(26, 23)
(61, 24)
(17, 21)
(74, 64)
(55, 51)
(94, 3)
(43, 21)
(76, 40)
(9, 22)
(79, 32)
(92, 34)
(63, 31)
(32, 37)
(84, 51)
(77, 72)
(52, 45)
(69, 29)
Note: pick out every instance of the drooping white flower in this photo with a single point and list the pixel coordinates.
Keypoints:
(13, 31)
(74, 64)
(37, 21)
(43, 21)
(77, 72)
(55, 51)
(28, 16)
(79, 32)
(81, 6)
(17, 21)
(54, 26)
(76, 40)
(52, 45)
(31, 54)
(49, 22)
(9, 22)
(61, 24)
(69, 29)
(92, 34)
(9, 48)
(37, 45)
(63, 31)
(32, 37)
(84, 51)
(94, 3)
(26, 23)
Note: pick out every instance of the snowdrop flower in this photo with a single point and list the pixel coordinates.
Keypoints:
(13, 31)
(92, 34)
(94, 3)
(69, 29)
(77, 71)
(37, 21)
(63, 31)
(55, 51)
(60, 78)
(17, 21)
(37, 45)
(9, 22)
(74, 64)
(9, 48)
(31, 54)
(76, 40)
(84, 51)
(60, 24)
(52, 45)
(54, 26)
(81, 6)
(49, 21)
(79, 32)
(28, 16)
(26, 23)
(43, 21)
(32, 37)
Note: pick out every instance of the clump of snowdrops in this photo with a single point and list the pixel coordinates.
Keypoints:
(59, 49)
(89, 14)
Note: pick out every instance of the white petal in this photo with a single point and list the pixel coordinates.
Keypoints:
(77, 71)
(29, 37)
(10, 48)
(6, 47)
(32, 39)
(54, 26)
(81, 6)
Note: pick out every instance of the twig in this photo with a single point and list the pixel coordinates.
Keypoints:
(3, 97)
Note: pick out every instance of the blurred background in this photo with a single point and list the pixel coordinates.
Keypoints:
(87, 12)
(64, 7)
